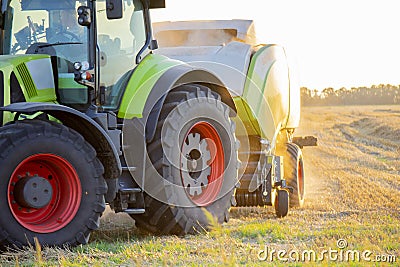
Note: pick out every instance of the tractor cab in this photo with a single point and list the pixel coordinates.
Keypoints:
(93, 45)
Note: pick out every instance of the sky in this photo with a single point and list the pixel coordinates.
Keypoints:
(341, 43)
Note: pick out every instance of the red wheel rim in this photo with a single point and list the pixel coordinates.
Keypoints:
(214, 166)
(66, 193)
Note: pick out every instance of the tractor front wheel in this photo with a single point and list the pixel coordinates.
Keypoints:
(51, 185)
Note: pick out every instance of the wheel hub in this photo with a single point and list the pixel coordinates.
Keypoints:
(195, 170)
(202, 163)
(44, 193)
(33, 192)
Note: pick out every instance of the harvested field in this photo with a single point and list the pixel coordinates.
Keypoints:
(352, 204)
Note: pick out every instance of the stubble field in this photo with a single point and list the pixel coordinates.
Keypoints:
(352, 209)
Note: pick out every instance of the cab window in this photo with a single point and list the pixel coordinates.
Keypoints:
(119, 42)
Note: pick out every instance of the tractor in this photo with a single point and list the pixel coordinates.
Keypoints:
(92, 116)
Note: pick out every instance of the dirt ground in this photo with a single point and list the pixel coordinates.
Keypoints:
(356, 167)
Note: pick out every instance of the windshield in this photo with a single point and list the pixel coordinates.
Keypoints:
(46, 26)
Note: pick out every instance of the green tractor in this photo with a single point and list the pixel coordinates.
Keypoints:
(90, 116)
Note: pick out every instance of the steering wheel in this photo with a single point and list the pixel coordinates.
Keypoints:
(70, 40)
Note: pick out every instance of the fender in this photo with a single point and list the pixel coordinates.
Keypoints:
(156, 87)
(158, 70)
(83, 124)
(173, 77)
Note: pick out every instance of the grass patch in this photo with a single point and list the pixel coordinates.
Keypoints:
(228, 245)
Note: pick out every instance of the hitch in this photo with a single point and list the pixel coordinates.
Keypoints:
(303, 141)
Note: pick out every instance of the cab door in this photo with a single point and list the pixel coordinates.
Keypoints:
(119, 41)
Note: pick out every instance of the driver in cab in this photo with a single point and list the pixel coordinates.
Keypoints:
(66, 28)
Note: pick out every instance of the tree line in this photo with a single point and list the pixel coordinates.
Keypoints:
(382, 94)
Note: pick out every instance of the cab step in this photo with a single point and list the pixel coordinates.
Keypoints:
(134, 211)
(131, 169)
(130, 190)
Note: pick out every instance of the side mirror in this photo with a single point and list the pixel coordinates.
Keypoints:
(114, 9)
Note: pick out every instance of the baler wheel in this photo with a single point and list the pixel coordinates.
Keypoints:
(281, 203)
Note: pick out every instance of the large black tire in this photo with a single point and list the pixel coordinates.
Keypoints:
(294, 173)
(42, 157)
(192, 119)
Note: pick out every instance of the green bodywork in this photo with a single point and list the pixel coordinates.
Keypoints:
(245, 116)
(8, 64)
(265, 100)
(18, 65)
(142, 82)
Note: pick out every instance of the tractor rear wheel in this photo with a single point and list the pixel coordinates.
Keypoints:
(194, 155)
(51, 185)
(294, 173)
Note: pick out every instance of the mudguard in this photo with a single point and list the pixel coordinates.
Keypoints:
(83, 124)
(173, 77)
(149, 84)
